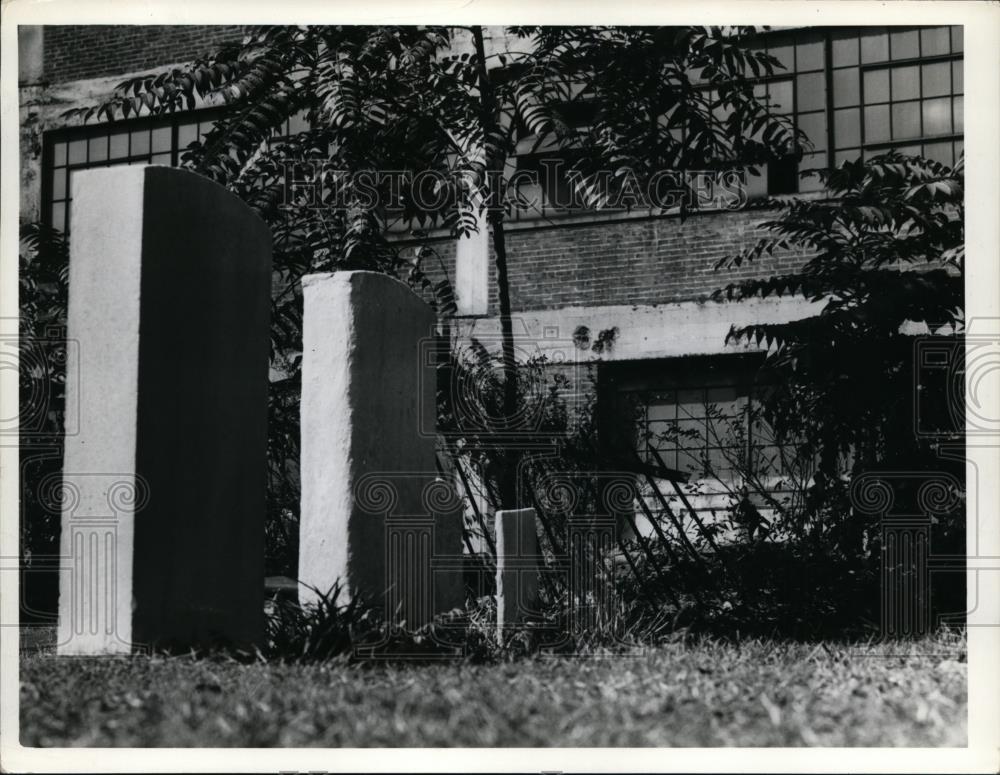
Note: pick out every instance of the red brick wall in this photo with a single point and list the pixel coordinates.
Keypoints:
(74, 52)
(645, 261)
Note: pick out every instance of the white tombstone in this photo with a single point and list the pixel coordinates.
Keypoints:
(368, 472)
(164, 482)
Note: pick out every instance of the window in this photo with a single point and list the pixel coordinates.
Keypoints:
(694, 429)
(545, 177)
(799, 91)
(160, 140)
(862, 91)
(701, 416)
(897, 87)
(138, 142)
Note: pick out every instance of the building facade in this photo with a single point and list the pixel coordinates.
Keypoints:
(575, 275)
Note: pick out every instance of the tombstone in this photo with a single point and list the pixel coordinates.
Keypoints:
(518, 565)
(164, 480)
(367, 521)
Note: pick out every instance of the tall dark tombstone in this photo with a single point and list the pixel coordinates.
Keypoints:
(164, 487)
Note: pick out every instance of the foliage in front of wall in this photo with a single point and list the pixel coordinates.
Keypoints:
(391, 97)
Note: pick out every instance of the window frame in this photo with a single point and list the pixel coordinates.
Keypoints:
(956, 53)
(69, 134)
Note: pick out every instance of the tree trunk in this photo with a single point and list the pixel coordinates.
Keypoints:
(507, 470)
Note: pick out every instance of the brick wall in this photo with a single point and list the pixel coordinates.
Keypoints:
(645, 261)
(74, 52)
(641, 261)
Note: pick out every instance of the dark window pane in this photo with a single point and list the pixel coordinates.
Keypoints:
(98, 148)
(957, 39)
(140, 142)
(78, 152)
(958, 76)
(934, 41)
(937, 116)
(845, 48)
(959, 111)
(905, 83)
(814, 125)
(905, 120)
(905, 45)
(809, 54)
(119, 145)
(849, 154)
(874, 47)
(59, 183)
(876, 86)
(811, 92)
(161, 139)
(936, 79)
(845, 87)
(59, 154)
(782, 177)
(847, 127)
(939, 152)
(877, 124)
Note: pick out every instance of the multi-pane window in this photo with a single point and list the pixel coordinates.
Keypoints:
(702, 418)
(862, 91)
(897, 87)
(138, 142)
(855, 92)
(710, 427)
(699, 430)
(799, 91)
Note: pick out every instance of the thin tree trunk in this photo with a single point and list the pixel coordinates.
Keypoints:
(495, 162)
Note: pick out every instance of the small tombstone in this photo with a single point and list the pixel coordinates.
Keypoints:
(164, 482)
(518, 565)
(372, 518)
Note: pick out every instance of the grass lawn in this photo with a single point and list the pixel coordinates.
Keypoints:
(695, 693)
